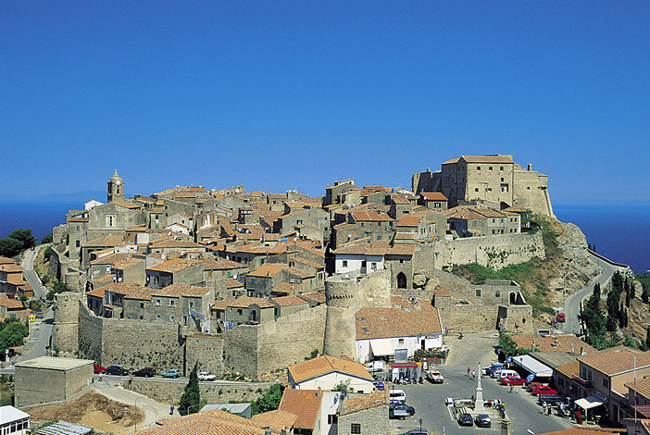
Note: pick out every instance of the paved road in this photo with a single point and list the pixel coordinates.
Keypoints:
(30, 274)
(428, 399)
(573, 302)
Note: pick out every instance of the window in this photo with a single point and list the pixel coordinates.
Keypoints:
(185, 319)
(490, 168)
(476, 189)
(378, 237)
(77, 243)
(191, 304)
(158, 318)
(172, 318)
(240, 312)
(157, 302)
(497, 294)
(141, 304)
(606, 383)
(110, 220)
(478, 292)
(400, 342)
(500, 168)
(478, 168)
(172, 303)
(345, 263)
(355, 428)
(332, 419)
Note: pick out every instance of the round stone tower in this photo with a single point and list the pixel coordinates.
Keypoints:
(115, 188)
(344, 296)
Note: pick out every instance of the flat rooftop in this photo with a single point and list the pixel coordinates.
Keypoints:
(51, 363)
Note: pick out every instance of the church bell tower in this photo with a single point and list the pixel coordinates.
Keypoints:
(115, 188)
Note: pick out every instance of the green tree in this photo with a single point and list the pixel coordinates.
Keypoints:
(58, 287)
(269, 401)
(344, 386)
(191, 399)
(24, 236)
(47, 239)
(593, 318)
(10, 247)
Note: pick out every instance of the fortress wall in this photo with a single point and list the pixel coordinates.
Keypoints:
(530, 191)
(376, 289)
(207, 350)
(472, 318)
(519, 319)
(66, 315)
(495, 252)
(171, 392)
(270, 347)
(344, 299)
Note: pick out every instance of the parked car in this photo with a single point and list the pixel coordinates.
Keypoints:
(465, 420)
(379, 385)
(449, 401)
(532, 385)
(376, 366)
(435, 377)
(493, 368)
(172, 373)
(400, 411)
(206, 376)
(417, 432)
(116, 369)
(483, 420)
(97, 369)
(146, 372)
(561, 317)
(553, 400)
(543, 390)
(513, 380)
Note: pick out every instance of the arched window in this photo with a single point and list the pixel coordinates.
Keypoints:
(401, 280)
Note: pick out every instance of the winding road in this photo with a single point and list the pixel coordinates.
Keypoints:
(573, 303)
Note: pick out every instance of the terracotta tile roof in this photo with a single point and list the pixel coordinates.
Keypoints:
(173, 243)
(325, 364)
(11, 304)
(233, 283)
(433, 196)
(403, 319)
(98, 293)
(128, 205)
(284, 288)
(121, 288)
(308, 263)
(299, 273)
(318, 297)
(222, 264)
(482, 159)
(490, 213)
(212, 422)
(175, 265)
(111, 259)
(552, 343)
(616, 360)
(367, 401)
(569, 369)
(128, 263)
(245, 302)
(285, 301)
(179, 289)
(104, 241)
(468, 215)
(10, 268)
(410, 220)
(220, 304)
(407, 250)
(103, 280)
(303, 403)
(143, 294)
(641, 386)
(363, 247)
(5, 260)
(266, 270)
(158, 210)
(371, 216)
(275, 420)
(404, 236)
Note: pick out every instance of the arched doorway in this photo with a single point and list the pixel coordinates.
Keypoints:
(401, 280)
(513, 299)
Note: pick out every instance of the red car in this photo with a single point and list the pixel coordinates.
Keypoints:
(98, 369)
(561, 317)
(543, 389)
(513, 380)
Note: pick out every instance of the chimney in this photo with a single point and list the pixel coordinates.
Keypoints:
(530, 167)
(582, 350)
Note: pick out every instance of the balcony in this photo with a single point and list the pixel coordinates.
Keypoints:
(583, 382)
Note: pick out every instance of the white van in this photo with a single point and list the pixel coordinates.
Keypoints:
(398, 395)
(505, 372)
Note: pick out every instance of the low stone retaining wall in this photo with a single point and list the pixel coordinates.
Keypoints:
(215, 392)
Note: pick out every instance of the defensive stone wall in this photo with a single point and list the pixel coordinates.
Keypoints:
(495, 252)
(136, 344)
(171, 392)
(472, 318)
(271, 347)
(66, 315)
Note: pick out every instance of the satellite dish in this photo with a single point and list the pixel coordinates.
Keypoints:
(235, 277)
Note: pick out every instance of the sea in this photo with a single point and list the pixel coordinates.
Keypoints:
(620, 232)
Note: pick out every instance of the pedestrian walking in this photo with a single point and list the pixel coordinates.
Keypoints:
(101, 375)
(131, 379)
(512, 387)
(171, 410)
(468, 371)
(473, 374)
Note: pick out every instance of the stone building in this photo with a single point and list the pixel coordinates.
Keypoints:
(367, 414)
(176, 270)
(115, 188)
(494, 179)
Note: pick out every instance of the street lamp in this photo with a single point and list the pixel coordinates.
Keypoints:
(420, 425)
(135, 424)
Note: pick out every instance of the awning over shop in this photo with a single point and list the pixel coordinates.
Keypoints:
(589, 402)
(533, 366)
(381, 348)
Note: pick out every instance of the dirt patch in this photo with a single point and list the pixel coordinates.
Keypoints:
(91, 409)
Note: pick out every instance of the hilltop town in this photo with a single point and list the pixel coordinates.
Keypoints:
(275, 287)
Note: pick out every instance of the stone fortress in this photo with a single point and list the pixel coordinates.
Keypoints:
(255, 349)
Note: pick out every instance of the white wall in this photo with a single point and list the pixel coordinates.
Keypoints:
(330, 380)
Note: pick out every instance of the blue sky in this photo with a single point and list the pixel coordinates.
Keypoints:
(294, 95)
